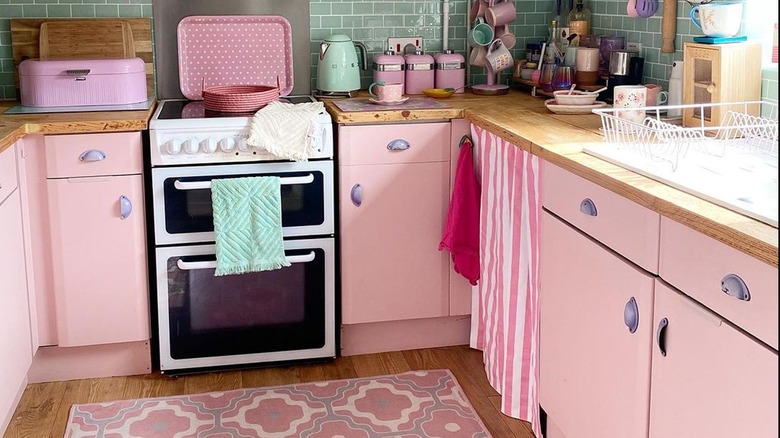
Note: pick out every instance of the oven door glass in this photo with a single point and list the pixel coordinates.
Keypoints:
(277, 311)
(182, 198)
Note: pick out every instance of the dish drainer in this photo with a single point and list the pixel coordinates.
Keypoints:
(746, 126)
(733, 163)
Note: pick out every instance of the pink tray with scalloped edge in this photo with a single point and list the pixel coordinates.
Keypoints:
(234, 50)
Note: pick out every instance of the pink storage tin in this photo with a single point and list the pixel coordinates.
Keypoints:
(450, 70)
(80, 82)
(389, 67)
(419, 72)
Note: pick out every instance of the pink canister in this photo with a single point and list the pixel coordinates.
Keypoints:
(419, 72)
(389, 67)
(450, 70)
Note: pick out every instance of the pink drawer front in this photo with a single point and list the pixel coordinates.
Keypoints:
(74, 155)
(7, 172)
(623, 225)
(392, 144)
(702, 267)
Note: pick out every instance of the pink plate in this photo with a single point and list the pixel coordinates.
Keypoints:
(234, 50)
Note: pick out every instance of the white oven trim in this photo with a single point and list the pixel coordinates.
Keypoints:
(160, 174)
(326, 351)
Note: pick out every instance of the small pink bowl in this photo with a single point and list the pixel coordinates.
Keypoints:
(562, 97)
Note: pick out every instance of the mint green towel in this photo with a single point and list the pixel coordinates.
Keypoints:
(247, 225)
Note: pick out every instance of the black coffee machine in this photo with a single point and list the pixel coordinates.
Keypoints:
(625, 68)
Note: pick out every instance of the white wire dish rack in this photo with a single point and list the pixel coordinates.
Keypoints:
(733, 163)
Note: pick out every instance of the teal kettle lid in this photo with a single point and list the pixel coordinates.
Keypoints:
(338, 38)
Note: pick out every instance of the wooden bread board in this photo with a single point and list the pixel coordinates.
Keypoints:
(84, 39)
(25, 40)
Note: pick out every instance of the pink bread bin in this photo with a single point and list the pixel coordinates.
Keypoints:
(450, 70)
(419, 72)
(82, 82)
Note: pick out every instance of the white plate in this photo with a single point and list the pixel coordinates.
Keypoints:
(388, 102)
(572, 109)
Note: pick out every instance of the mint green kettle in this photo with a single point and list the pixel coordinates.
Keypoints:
(338, 70)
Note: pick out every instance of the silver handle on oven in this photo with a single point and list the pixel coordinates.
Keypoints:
(200, 185)
(211, 264)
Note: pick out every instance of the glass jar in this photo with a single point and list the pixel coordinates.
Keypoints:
(533, 52)
(579, 18)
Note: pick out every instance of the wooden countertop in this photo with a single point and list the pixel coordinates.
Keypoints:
(13, 127)
(525, 121)
(516, 117)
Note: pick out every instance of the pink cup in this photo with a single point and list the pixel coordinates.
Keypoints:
(655, 96)
(501, 13)
(386, 92)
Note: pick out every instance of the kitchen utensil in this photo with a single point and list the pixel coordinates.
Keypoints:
(596, 91)
(82, 39)
(387, 92)
(720, 20)
(558, 108)
(668, 26)
(562, 78)
(562, 97)
(607, 44)
(389, 67)
(631, 8)
(646, 8)
(420, 74)
(339, 66)
(675, 89)
(222, 50)
(440, 93)
(450, 70)
(571, 89)
(631, 100)
(498, 56)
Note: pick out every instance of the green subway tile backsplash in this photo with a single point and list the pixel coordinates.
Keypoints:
(373, 21)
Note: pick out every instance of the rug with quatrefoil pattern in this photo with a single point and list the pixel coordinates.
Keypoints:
(415, 404)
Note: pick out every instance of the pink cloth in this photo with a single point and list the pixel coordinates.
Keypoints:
(461, 232)
(505, 309)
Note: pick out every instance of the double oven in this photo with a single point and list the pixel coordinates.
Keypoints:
(207, 322)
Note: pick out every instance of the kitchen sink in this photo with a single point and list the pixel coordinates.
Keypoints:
(738, 178)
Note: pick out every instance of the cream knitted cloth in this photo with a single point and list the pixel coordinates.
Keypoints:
(285, 129)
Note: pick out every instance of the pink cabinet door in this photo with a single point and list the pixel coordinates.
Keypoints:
(594, 372)
(711, 379)
(99, 259)
(15, 342)
(392, 217)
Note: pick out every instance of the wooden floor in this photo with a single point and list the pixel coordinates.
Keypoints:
(44, 407)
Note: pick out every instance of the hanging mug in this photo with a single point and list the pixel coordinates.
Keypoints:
(498, 56)
(481, 34)
(501, 13)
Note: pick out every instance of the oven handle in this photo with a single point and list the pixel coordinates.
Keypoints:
(200, 185)
(211, 264)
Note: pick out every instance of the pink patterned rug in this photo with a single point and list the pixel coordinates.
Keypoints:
(416, 404)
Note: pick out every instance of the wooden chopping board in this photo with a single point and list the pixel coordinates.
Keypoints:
(25, 40)
(84, 39)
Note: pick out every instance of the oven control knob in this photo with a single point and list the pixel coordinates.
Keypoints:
(191, 146)
(242, 145)
(173, 147)
(227, 144)
(209, 145)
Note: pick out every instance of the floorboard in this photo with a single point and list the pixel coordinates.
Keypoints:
(44, 408)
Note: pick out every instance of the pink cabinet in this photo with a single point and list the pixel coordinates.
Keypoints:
(393, 201)
(98, 242)
(709, 379)
(595, 333)
(15, 342)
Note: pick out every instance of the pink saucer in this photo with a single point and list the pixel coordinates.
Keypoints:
(388, 102)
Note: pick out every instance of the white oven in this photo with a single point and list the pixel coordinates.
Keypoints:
(280, 315)
(182, 198)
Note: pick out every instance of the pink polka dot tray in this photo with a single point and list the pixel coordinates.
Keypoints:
(234, 50)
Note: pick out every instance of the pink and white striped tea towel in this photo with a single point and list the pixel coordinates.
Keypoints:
(286, 129)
